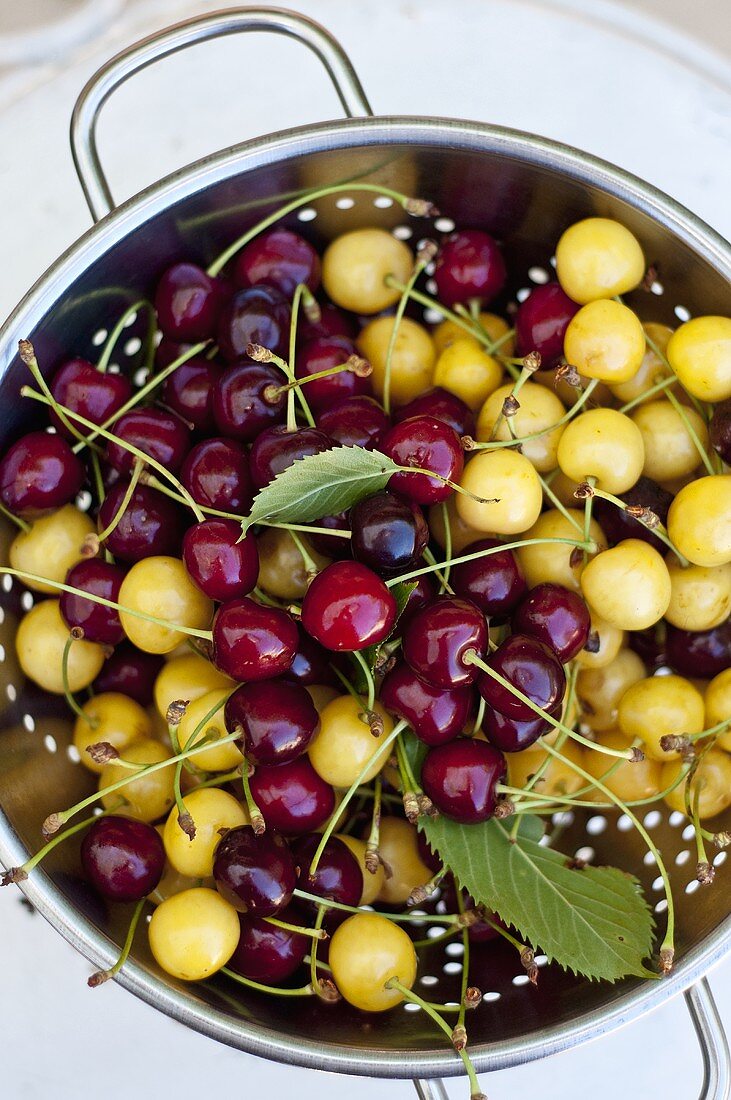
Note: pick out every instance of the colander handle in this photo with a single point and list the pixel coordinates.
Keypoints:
(178, 37)
(711, 1039)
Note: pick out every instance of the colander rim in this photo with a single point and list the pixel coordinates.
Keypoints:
(458, 134)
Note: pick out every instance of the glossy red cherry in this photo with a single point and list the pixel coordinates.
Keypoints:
(354, 422)
(436, 715)
(256, 874)
(267, 953)
(188, 391)
(311, 664)
(220, 562)
(216, 474)
(275, 449)
(555, 616)
(38, 474)
(431, 445)
(460, 779)
(255, 315)
(188, 302)
(332, 321)
(389, 534)
(159, 434)
(495, 582)
(81, 388)
(251, 642)
(511, 734)
(441, 405)
(123, 858)
(719, 430)
(437, 637)
(541, 322)
(279, 258)
(330, 545)
(337, 877)
(277, 721)
(469, 267)
(531, 667)
(240, 408)
(347, 607)
(292, 797)
(618, 525)
(151, 524)
(702, 654)
(99, 623)
(130, 672)
(324, 353)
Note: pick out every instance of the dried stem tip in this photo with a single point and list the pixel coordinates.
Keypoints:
(420, 893)
(98, 978)
(426, 806)
(51, 825)
(411, 807)
(568, 374)
(90, 546)
(14, 874)
(504, 808)
(667, 956)
(176, 710)
(674, 742)
(327, 991)
(186, 823)
(511, 406)
(359, 366)
(26, 352)
(421, 208)
(102, 752)
(637, 755)
(77, 633)
(459, 1037)
(472, 996)
(258, 353)
(375, 722)
(311, 309)
(426, 252)
(584, 491)
(722, 840)
(705, 873)
(372, 861)
(532, 361)
(468, 443)
(258, 823)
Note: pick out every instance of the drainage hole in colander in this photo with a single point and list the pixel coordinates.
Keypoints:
(99, 337)
(720, 859)
(434, 931)
(676, 818)
(452, 968)
(489, 997)
(132, 346)
(682, 857)
(653, 819)
(307, 215)
(83, 500)
(130, 321)
(29, 723)
(682, 313)
(27, 601)
(648, 859)
(49, 743)
(688, 832)
(692, 886)
(596, 825)
(140, 376)
(382, 202)
(345, 203)
(657, 883)
(73, 754)
(432, 316)
(11, 693)
(521, 979)
(563, 818)
(657, 288)
(624, 823)
(410, 1007)
(661, 905)
(455, 950)
(523, 293)
(585, 854)
(402, 232)
(7, 583)
(538, 275)
(431, 286)
(444, 225)
(428, 979)
(541, 960)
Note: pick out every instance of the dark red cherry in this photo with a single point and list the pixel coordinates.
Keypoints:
(460, 778)
(151, 524)
(424, 590)
(347, 607)
(355, 422)
(216, 474)
(389, 534)
(719, 430)
(650, 644)
(188, 391)
(256, 874)
(437, 637)
(81, 388)
(240, 407)
(251, 642)
(511, 734)
(469, 267)
(220, 562)
(555, 616)
(531, 667)
(436, 715)
(431, 445)
(275, 449)
(703, 653)
(292, 797)
(330, 545)
(267, 953)
(123, 858)
(542, 320)
(38, 474)
(159, 434)
(331, 322)
(311, 663)
(441, 405)
(279, 258)
(99, 623)
(495, 582)
(255, 315)
(277, 721)
(324, 353)
(618, 525)
(168, 351)
(188, 302)
(130, 672)
(337, 877)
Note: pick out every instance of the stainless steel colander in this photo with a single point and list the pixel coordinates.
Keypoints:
(524, 189)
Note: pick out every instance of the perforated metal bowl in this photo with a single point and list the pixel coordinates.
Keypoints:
(524, 189)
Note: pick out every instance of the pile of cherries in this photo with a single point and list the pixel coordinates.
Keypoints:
(559, 528)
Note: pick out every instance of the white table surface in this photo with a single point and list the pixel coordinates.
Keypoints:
(651, 101)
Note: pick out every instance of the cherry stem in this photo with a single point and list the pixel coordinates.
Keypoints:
(512, 399)
(447, 524)
(313, 933)
(123, 504)
(588, 506)
(379, 751)
(663, 383)
(136, 398)
(206, 635)
(453, 485)
(103, 975)
(309, 563)
(275, 990)
(303, 527)
(256, 817)
(21, 523)
(666, 363)
(475, 445)
(299, 291)
(119, 328)
(54, 821)
(463, 321)
(147, 459)
(486, 553)
(419, 265)
(465, 964)
(372, 861)
(404, 918)
(415, 207)
(444, 585)
(559, 505)
(75, 635)
(656, 528)
(261, 354)
(28, 355)
(700, 847)
(314, 979)
(354, 365)
(414, 998)
(478, 717)
(346, 683)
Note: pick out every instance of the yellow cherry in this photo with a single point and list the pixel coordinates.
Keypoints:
(603, 444)
(160, 586)
(629, 584)
(51, 546)
(699, 521)
(186, 678)
(605, 340)
(539, 411)
(606, 641)
(282, 570)
(372, 883)
(193, 934)
(629, 781)
(718, 706)
(559, 778)
(700, 596)
(509, 479)
(462, 534)
(700, 354)
(344, 744)
(465, 369)
(148, 796)
(650, 370)
(399, 849)
(218, 758)
(493, 326)
(214, 812)
(661, 706)
(712, 779)
(366, 951)
(355, 267)
(600, 689)
(40, 643)
(669, 448)
(598, 258)
(111, 717)
(412, 361)
(554, 562)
